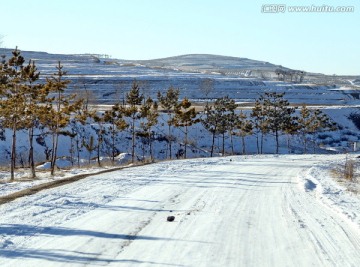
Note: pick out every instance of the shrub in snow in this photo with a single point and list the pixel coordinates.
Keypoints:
(45, 166)
(60, 163)
(123, 158)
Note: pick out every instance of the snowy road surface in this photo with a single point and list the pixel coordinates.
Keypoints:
(239, 212)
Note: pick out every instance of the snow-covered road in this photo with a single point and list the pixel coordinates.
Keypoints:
(239, 211)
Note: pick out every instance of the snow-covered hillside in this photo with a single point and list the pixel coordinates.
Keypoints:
(241, 78)
(235, 211)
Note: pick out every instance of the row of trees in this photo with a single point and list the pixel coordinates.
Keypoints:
(44, 108)
(290, 75)
(271, 114)
(29, 103)
(25, 104)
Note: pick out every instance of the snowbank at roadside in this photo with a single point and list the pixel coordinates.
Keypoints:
(320, 181)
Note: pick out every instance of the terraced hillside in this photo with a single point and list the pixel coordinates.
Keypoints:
(199, 77)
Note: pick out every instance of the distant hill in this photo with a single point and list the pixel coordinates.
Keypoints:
(241, 78)
(203, 63)
(211, 62)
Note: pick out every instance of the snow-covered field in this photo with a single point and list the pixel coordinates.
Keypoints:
(234, 211)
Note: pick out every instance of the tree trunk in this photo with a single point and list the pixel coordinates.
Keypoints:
(13, 154)
(277, 141)
(78, 151)
(90, 152)
(170, 141)
(99, 142)
(113, 144)
(54, 151)
(56, 134)
(257, 143)
(243, 145)
(133, 142)
(213, 144)
(31, 153)
(98, 150)
(314, 143)
(72, 150)
(186, 140)
(288, 144)
(305, 144)
(150, 146)
(223, 144)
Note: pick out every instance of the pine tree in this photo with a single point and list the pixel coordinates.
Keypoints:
(133, 100)
(168, 102)
(185, 116)
(207, 86)
(99, 119)
(232, 119)
(244, 128)
(278, 114)
(313, 121)
(225, 110)
(259, 124)
(59, 115)
(117, 122)
(13, 101)
(35, 106)
(149, 113)
(219, 119)
(306, 120)
(211, 122)
(82, 115)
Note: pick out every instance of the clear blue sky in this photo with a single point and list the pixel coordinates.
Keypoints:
(147, 29)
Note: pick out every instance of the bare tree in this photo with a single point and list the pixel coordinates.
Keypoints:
(207, 86)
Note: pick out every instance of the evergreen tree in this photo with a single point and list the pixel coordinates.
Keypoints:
(244, 128)
(99, 119)
(219, 119)
(185, 116)
(232, 120)
(35, 106)
(117, 123)
(149, 113)
(211, 122)
(133, 100)
(12, 101)
(83, 114)
(291, 129)
(225, 110)
(313, 121)
(278, 114)
(58, 116)
(168, 102)
(259, 124)
(206, 87)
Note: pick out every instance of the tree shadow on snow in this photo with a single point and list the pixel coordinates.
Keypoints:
(92, 205)
(31, 230)
(72, 257)
(68, 256)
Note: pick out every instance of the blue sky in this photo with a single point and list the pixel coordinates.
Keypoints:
(147, 29)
